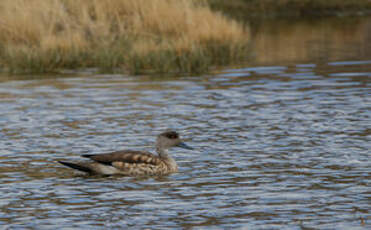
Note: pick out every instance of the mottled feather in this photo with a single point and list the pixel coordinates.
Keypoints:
(126, 156)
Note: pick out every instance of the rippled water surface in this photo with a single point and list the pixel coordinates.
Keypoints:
(276, 147)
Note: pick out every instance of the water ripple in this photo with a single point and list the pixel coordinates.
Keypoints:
(275, 148)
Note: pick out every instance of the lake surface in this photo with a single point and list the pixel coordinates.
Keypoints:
(282, 143)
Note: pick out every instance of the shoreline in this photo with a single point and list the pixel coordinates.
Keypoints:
(133, 36)
(130, 37)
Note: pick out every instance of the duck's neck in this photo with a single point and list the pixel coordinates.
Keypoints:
(163, 153)
(165, 156)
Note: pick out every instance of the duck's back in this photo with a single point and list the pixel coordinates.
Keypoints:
(127, 156)
(132, 163)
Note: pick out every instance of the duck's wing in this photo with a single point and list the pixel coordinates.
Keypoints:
(125, 156)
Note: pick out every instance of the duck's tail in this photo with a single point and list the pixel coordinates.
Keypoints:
(79, 167)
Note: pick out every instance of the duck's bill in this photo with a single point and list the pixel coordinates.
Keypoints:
(184, 146)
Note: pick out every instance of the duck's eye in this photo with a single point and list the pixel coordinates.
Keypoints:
(172, 135)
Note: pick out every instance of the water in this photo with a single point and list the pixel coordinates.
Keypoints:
(280, 146)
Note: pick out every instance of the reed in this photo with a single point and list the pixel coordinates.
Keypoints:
(124, 35)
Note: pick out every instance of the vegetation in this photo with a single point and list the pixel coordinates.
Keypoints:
(125, 35)
(278, 8)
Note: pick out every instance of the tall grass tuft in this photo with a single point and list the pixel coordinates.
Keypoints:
(130, 35)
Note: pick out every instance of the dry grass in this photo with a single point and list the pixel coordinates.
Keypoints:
(131, 35)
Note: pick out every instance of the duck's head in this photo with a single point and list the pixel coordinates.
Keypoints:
(170, 139)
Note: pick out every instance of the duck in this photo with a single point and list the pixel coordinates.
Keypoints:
(133, 162)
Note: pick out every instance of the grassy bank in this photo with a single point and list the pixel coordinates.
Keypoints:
(125, 35)
(290, 8)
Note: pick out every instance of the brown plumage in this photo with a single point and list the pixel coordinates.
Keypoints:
(134, 163)
(128, 156)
